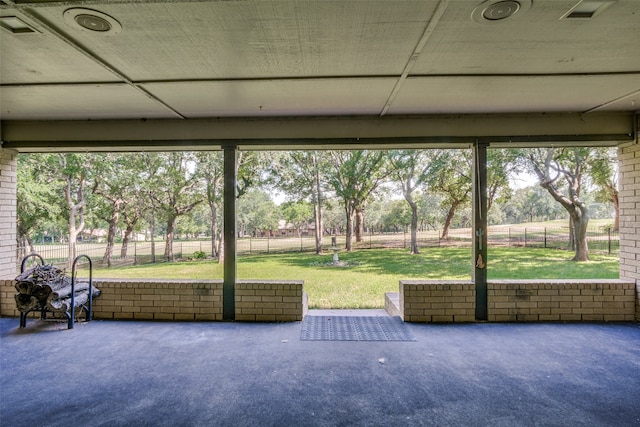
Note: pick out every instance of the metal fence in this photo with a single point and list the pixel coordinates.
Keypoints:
(600, 240)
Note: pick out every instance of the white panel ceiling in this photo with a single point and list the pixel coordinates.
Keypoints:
(509, 94)
(211, 58)
(358, 96)
(88, 102)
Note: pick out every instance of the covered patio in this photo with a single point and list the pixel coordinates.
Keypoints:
(165, 374)
(314, 75)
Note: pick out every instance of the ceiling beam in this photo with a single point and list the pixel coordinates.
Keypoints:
(319, 132)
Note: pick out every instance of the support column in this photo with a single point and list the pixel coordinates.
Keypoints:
(480, 228)
(629, 192)
(8, 189)
(229, 233)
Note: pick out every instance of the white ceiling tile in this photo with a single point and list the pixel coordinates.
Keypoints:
(78, 102)
(276, 97)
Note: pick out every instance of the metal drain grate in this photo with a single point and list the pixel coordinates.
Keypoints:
(354, 328)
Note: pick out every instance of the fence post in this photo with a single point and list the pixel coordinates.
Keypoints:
(268, 243)
(300, 242)
(404, 234)
(135, 253)
(545, 237)
(371, 238)
(609, 239)
(525, 237)
(509, 236)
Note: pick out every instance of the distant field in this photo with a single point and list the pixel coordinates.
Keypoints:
(549, 234)
(368, 274)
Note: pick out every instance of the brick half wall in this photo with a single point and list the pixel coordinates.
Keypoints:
(561, 300)
(184, 300)
(434, 301)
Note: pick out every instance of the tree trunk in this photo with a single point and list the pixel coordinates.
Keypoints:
(125, 240)
(572, 234)
(153, 237)
(213, 228)
(76, 218)
(318, 209)
(111, 235)
(72, 245)
(414, 224)
(29, 240)
(359, 227)
(349, 210)
(616, 205)
(168, 248)
(221, 249)
(317, 219)
(448, 220)
(580, 222)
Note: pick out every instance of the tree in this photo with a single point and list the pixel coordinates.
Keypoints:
(256, 213)
(450, 177)
(355, 175)
(430, 212)
(297, 214)
(502, 165)
(334, 216)
(398, 216)
(211, 165)
(116, 181)
(174, 187)
(604, 174)
(299, 174)
(131, 216)
(531, 204)
(72, 172)
(36, 200)
(411, 169)
(555, 166)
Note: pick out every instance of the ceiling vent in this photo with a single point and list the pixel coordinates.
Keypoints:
(91, 21)
(493, 11)
(587, 9)
(16, 25)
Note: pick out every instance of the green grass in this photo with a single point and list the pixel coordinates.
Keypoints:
(371, 273)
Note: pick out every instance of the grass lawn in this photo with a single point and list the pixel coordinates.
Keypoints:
(371, 273)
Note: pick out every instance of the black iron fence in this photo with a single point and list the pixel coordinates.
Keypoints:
(600, 240)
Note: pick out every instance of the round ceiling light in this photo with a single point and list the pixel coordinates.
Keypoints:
(499, 10)
(91, 21)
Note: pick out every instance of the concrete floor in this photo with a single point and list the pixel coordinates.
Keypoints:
(119, 373)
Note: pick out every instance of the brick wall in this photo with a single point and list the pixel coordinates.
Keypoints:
(594, 300)
(437, 301)
(185, 300)
(8, 164)
(566, 300)
(629, 187)
(281, 301)
(158, 300)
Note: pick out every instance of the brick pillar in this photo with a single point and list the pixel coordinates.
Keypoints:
(629, 183)
(8, 246)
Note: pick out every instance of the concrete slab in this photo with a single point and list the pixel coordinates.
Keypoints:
(111, 373)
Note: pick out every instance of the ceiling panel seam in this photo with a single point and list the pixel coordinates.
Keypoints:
(613, 101)
(430, 28)
(332, 77)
